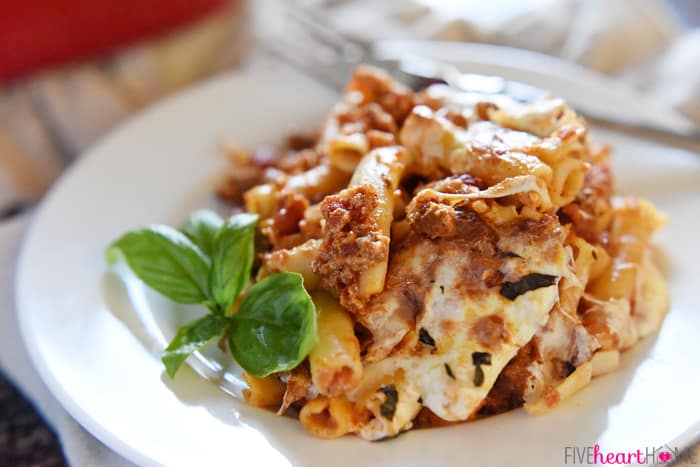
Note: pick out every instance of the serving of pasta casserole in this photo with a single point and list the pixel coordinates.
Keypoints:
(426, 258)
(464, 253)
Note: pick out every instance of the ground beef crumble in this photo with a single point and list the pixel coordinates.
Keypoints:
(351, 243)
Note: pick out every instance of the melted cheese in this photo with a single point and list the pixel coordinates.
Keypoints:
(457, 397)
(444, 376)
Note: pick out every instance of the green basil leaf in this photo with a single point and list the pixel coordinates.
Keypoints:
(191, 337)
(232, 258)
(167, 261)
(275, 327)
(201, 228)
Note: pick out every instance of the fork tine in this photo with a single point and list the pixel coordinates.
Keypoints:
(306, 43)
(348, 49)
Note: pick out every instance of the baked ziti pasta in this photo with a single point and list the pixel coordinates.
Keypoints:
(464, 253)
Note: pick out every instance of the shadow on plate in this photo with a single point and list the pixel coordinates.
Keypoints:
(154, 320)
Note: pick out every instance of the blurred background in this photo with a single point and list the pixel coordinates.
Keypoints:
(70, 70)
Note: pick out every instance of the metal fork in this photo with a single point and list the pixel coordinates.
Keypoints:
(328, 56)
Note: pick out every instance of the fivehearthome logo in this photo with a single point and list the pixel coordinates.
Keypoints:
(592, 455)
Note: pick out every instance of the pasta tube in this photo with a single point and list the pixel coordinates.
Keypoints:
(327, 417)
(261, 200)
(318, 182)
(633, 224)
(297, 259)
(381, 169)
(605, 361)
(568, 387)
(354, 255)
(345, 151)
(335, 359)
(263, 392)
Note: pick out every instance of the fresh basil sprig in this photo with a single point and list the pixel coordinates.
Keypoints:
(209, 262)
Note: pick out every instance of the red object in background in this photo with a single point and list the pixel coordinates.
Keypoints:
(36, 34)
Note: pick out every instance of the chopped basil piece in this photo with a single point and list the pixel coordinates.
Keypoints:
(388, 407)
(481, 358)
(569, 368)
(478, 376)
(425, 338)
(509, 254)
(478, 359)
(442, 289)
(511, 290)
(449, 371)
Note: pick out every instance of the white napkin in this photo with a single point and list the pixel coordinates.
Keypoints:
(47, 122)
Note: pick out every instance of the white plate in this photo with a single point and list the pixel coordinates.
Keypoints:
(96, 341)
